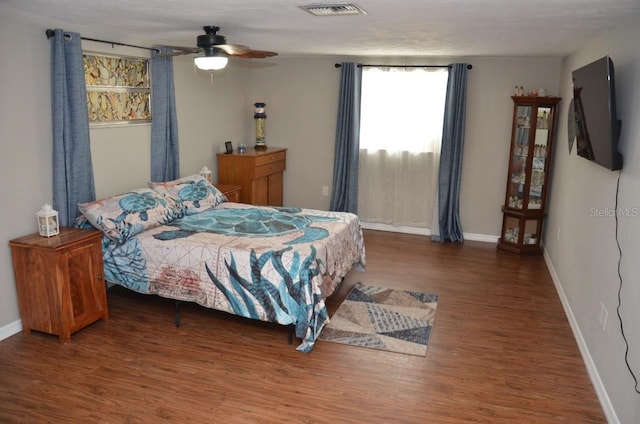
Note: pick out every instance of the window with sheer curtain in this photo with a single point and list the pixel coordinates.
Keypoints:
(402, 112)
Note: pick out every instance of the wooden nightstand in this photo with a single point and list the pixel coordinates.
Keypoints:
(60, 281)
(232, 192)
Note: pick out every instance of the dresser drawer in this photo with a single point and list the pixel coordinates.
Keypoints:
(271, 168)
(271, 157)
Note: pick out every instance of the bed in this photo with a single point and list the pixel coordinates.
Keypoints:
(183, 240)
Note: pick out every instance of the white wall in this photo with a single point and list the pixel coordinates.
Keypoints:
(301, 97)
(210, 112)
(491, 84)
(585, 255)
(25, 131)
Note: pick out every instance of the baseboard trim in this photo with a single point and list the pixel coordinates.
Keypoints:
(423, 231)
(395, 228)
(10, 329)
(601, 391)
(487, 238)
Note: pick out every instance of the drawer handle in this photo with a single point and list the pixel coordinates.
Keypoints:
(99, 277)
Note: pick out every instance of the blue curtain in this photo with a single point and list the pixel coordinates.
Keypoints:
(72, 168)
(344, 195)
(165, 157)
(448, 216)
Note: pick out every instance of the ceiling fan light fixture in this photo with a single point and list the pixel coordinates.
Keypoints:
(211, 63)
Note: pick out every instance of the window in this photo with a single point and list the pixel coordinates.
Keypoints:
(402, 112)
(402, 109)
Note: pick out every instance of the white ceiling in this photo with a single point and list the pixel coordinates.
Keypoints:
(390, 27)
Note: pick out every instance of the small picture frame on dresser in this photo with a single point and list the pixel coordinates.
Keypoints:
(228, 147)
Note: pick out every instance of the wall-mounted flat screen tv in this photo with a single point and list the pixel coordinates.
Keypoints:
(596, 122)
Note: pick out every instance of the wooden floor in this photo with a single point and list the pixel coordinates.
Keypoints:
(501, 351)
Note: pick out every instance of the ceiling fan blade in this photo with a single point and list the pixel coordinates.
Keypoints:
(256, 54)
(233, 49)
(213, 44)
(179, 51)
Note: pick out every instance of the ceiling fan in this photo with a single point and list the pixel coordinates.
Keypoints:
(216, 50)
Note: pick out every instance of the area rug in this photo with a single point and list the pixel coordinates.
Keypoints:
(385, 319)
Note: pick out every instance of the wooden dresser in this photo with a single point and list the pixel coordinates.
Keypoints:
(259, 173)
(60, 281)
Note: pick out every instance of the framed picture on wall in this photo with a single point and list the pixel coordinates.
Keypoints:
(118, 89)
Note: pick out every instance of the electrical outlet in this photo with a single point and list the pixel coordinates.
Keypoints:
(325, 190)
(602, 318)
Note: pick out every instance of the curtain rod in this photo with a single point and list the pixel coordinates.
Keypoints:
(338, 65)
(50, 33)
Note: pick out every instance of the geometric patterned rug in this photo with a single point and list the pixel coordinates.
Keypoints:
(384, 319)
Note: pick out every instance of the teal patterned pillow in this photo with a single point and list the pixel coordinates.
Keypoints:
(194, 192)
(125, 215)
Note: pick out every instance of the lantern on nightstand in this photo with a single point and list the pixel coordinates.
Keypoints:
(48, 221)
(206, 174)
(260, 116)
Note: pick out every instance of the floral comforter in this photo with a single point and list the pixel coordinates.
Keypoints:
(268, 263)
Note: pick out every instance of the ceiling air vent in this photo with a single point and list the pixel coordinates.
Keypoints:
(336, 9)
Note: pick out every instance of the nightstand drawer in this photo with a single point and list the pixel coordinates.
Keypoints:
(233, 196)
(272, 157)
(231, 192)
(271, 168)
